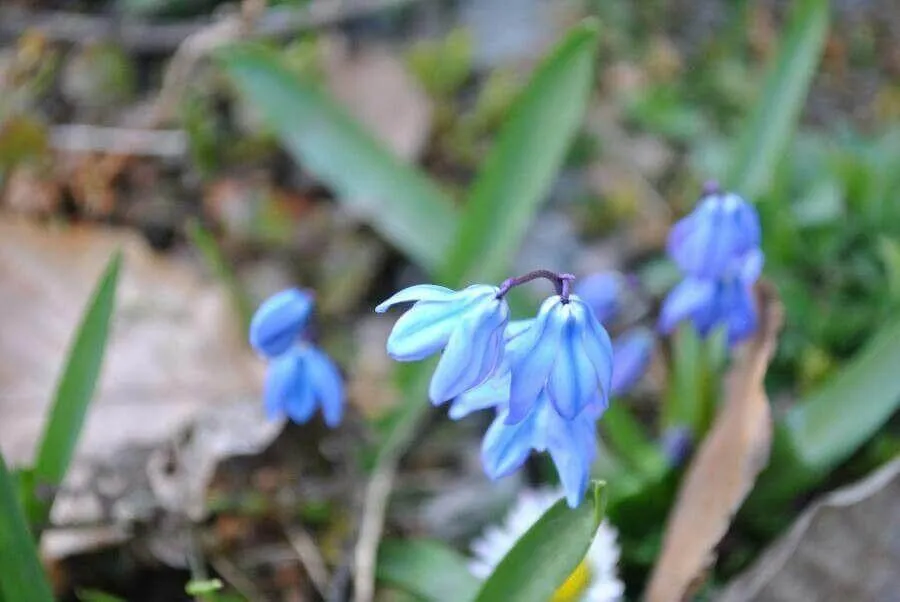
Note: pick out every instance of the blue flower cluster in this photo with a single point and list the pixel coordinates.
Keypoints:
(301, 378)
(548, 378)
(717, 247)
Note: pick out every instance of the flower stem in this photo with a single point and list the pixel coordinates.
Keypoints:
(562, 282)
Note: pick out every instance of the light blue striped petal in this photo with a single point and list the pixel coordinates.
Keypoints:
(491, 393)
(419, 292)
(573, 380)
(596, 344)
(506, 447)
(423, 330)
(684, 301)
(529, 371)
(279, 321)
(567, 442)
(631, 356)
(327, 385)
(472, 353)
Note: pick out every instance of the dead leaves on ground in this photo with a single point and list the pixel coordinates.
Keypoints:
(724, 469)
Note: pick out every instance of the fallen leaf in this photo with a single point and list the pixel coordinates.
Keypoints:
(725, 467)
(175, 354)
(843, 548)
(375, 86)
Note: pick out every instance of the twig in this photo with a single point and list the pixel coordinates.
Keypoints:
(118, 141)
(375, 503)
(143, 36)
(309, 557)
(234, 577)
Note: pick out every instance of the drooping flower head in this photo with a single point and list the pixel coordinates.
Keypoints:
(721, 228)
(467, 325)
(300, 377)
(602, 291)
(594, 580)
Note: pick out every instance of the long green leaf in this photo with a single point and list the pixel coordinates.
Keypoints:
(548, 553)
(764, 138)
(404, 205)
(75, 388)
(21, 574)
(525, 159)
(824, 429)
(428, 569)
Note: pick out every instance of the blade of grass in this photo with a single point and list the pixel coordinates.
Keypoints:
(74, 391)
(524, 160)
(21, 574)
(548, 553)
(765, 136)
(428, 569)
(399, 201)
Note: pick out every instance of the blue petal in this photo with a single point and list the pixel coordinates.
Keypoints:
(327, 385)
(419, 292)
(741, 314)
(282, 376)
(572, 448)
(573, 380)
(631, 356)
(279, 321)
(601, 293)
(423, 330)
(745, 222)
(750, 266)
(685, 300)
(596, 344)
(529, 371)
(491, 393)
(506, 447)
(472, 352)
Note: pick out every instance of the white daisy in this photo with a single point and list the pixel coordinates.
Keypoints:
(594, 580)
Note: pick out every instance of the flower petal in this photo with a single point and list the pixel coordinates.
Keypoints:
(279, 321)
(327, 385)
(423, 330)
(282, 375)
(506, 447)
(741, 313)
(596, 344)
(573, 379)
(419, 292)
(631, 356)
(491, 393)
(472, 353)
(691, 295)
(572, 448)
(537, 352)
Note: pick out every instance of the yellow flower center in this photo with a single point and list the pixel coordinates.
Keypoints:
(575, 585)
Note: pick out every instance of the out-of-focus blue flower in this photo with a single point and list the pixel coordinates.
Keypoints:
(601, 292)
(720, 229)
(572, 445)
(677, 444)
(468, 325)
(632, 352)
(565, 352)
(279, 321)
(727, 301)
(302, 380)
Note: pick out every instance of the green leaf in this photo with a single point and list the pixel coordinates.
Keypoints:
(75, 390)
(765, 136)
(825, 428)
(200, 588)
(428, 569)
(548, 553)
(404, 205)
(525, 159)
(21, 574)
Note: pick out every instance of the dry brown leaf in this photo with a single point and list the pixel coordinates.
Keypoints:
(725, 467)
(376, 88)
(843, 548)
(173, 357)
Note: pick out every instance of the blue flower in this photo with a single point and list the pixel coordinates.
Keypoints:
(279, 321)
(721, 228)
(468, 325)
(727, 301)
(601, 292)
(564, 351)
(632, 352)
(572, 445)
(302, 380)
